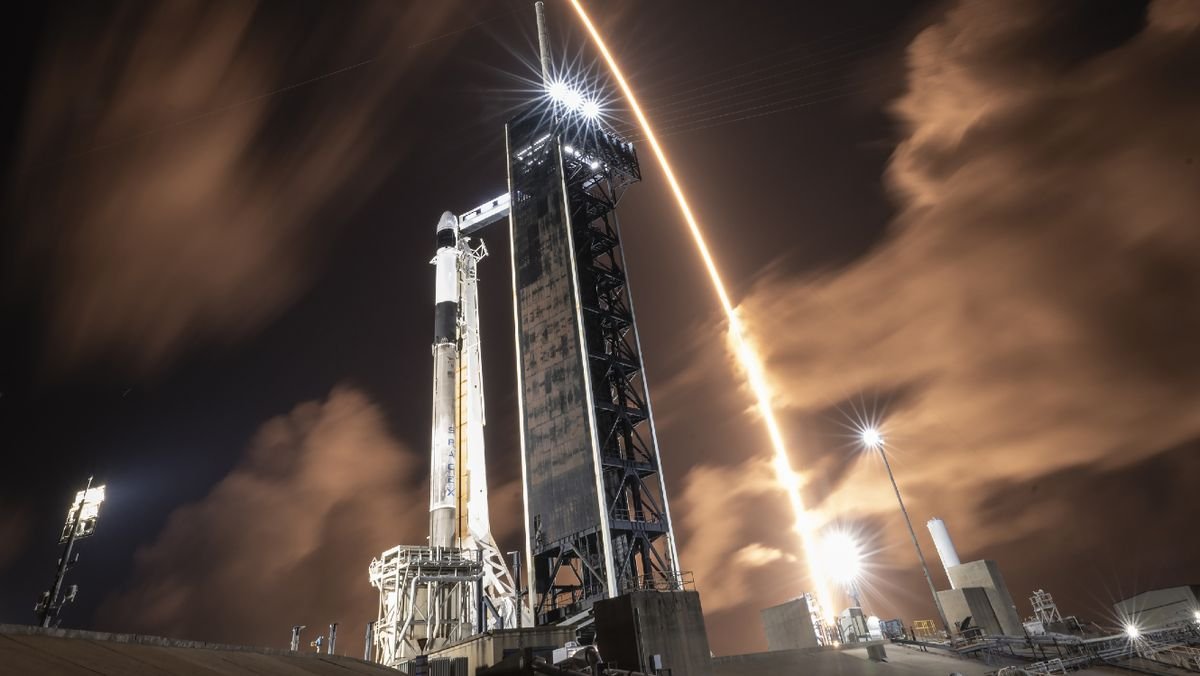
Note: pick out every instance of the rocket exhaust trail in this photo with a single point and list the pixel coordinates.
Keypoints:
(746, 355)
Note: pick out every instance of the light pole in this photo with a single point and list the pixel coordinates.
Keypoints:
(82, 516)
(873, 440)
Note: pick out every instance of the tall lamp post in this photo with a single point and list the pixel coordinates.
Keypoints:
(872, 439)
(81, 522)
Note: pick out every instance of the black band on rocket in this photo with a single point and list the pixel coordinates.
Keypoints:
(444, 316)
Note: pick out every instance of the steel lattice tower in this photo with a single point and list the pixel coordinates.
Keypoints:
(596, 514)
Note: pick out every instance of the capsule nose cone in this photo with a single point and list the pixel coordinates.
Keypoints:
(447, 230)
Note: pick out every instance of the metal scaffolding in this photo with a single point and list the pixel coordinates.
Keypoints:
(427, 600)
(605, 529)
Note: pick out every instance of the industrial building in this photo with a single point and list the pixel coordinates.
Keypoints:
(789, 625)
(977, 591)
(1158, 608)
(978, 598)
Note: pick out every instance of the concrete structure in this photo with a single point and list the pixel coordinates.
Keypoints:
(973, 603)
(986, 574)
(1160, 607)
(66, 652)
(852, 662)
(789, 625)
(485, 650)
(856, 661)
(654, 632)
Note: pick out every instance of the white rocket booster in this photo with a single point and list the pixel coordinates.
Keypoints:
(458, 498)
(443, 470)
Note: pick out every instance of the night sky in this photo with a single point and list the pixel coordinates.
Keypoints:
(972, 221)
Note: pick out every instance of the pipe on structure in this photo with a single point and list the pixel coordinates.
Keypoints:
(543, 42)
(443, 470)
(944, 545)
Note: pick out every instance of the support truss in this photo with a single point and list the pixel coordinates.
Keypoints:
(631, 546)
(427, 600)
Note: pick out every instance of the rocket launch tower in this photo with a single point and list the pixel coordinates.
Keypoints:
(596, 515)
(597, 522)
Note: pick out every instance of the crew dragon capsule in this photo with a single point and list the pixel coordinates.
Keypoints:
(443, 479)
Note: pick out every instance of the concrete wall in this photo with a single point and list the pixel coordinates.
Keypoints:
(1159, 607)
(485, 650)
(974, 602)
(633, 627)
(985, 573)
(789, 626)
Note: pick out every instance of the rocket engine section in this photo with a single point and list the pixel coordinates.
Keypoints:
(443, 484)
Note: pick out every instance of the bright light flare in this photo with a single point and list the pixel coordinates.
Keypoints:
(872, 438)
(559, 91)
(1132, 631)
(573, 99)
(88, 502)
(1196, 615)
(746, 355)
(570, 97)
(841, 557)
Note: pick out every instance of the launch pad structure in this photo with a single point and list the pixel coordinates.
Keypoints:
(458, 584)
(597, 519)
(596, 514)
(597, 522)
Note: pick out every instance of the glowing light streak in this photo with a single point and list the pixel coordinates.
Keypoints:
(747, 357)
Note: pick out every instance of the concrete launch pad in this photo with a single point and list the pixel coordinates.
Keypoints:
(901, 661)
(66, 652)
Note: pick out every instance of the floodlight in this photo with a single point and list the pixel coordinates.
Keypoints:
(1196, 615)
(573, 99)
(82, 516)
(558, 91)
(1132, 631)
(872, 438)
(590, 109)
(83, 513)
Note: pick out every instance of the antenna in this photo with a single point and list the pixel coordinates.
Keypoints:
(539, 7)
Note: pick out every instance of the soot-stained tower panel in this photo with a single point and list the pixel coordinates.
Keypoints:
(556, 421)
(597, 522)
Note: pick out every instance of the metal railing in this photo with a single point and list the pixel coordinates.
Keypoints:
(682, 581)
